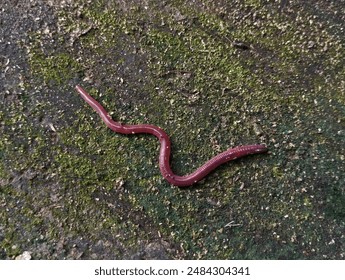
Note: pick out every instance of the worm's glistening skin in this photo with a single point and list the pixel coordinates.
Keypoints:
(165, 146)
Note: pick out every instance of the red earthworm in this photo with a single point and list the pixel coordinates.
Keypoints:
(165, 146)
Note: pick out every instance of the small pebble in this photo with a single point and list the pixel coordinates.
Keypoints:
(26, 255)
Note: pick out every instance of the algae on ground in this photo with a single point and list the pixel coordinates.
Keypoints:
(178, 66)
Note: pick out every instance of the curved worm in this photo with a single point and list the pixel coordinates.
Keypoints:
(164, 153)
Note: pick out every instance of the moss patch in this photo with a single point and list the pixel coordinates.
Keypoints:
(213, 75)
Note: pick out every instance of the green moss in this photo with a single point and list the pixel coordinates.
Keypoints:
(206, 94)
(204, 53)
(55, 68)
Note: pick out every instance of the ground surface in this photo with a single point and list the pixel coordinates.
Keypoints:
(213, 74)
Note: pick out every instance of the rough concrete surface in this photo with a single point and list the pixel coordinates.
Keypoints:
(213, 74)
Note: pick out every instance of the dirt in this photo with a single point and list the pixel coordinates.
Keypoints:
(214, 75)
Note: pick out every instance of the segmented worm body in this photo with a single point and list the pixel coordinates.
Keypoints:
(165, 146)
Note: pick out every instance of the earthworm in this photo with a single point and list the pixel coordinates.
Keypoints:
(165, 146)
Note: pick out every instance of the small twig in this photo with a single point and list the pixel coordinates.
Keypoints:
(231, 224)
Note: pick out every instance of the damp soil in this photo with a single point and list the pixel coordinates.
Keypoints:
(213, 74)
